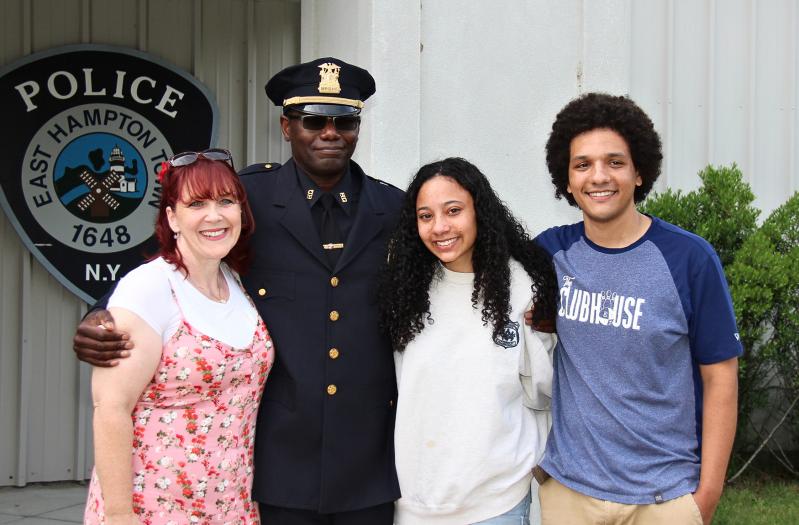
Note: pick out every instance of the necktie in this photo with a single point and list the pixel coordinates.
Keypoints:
(329, 232)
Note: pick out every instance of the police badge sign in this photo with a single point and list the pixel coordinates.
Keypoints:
(84, 131)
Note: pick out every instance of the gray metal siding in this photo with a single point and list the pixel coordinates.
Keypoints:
(231, 46)
(720, 80)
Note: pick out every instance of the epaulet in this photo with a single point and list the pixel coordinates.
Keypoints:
(384, 183)
(259, 168)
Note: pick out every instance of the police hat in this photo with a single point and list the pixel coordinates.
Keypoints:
(325, 86)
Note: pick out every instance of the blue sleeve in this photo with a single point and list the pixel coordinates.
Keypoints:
(702, 286)
(543, 240)
(559, 238)
(712, 328)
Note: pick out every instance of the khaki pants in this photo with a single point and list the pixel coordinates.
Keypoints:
(561, 505)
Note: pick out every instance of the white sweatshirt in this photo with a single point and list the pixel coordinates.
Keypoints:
(467, 433)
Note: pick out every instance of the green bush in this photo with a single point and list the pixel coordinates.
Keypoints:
(782, 229)
(720, 210)
(762, 268)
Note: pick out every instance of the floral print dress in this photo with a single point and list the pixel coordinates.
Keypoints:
(193, 431)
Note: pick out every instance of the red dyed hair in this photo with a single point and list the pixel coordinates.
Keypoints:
(202, 179)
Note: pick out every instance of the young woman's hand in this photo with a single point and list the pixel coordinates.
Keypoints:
(542, 325)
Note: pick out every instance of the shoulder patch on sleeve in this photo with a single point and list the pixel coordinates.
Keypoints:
(262, 167)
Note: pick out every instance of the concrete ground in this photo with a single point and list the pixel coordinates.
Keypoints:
(43, 503)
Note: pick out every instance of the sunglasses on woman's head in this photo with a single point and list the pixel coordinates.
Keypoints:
(190, 157)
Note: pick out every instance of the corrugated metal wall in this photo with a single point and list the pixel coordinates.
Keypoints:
(719, 78)
(233, 47)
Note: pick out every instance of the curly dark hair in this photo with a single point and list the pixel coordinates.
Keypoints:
(406, 275)
(600, 110)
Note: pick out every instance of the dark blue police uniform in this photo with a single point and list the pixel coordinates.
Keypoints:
(326, 423)
(324, 444)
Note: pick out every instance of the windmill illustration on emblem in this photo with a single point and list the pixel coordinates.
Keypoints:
(100, 201)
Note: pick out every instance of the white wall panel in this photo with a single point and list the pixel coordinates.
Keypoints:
(774, 111)
(729, 123)
(690, 50)
(606, 46)
(650, 66)
(725, 91)
(490, 97)
(718, 78)
(231, 46)
(386, 39)
(794, 79)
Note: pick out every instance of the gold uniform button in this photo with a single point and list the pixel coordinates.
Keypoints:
(334, 281)
(268, 166)
(333, 353)
(261, 291)
(334, 315)
(331, 390)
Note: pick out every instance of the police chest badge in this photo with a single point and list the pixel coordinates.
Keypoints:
(84, 131)
(508, 337)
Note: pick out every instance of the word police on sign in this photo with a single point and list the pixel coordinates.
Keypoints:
(84, 131)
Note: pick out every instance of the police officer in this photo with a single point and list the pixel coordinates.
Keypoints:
(324, 442)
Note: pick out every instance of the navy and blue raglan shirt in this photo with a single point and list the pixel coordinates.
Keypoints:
(634, 324)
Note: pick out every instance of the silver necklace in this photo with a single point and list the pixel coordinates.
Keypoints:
(218, 297)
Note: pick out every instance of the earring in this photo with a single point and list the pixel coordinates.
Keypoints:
(177, 234)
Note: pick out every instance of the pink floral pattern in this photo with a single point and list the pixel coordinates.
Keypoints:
(193, 431)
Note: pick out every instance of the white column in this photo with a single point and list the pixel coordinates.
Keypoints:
(384, 38)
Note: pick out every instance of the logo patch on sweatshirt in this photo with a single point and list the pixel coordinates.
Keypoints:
(508, 337)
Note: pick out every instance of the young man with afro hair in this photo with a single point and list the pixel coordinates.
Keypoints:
(645, 388)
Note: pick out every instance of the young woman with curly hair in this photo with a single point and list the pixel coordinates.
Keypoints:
(474, 382)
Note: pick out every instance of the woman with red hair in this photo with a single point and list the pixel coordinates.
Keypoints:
(187, 396)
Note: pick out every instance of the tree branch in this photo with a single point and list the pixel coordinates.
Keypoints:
(763, 444)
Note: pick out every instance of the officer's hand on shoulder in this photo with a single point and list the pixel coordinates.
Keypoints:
(97, 341)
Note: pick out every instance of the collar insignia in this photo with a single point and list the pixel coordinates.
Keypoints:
(309, 195)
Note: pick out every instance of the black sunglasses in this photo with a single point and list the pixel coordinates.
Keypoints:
(318, 122)
(190, 157)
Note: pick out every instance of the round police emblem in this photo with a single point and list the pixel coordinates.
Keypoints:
(92, 196)
(86, 130)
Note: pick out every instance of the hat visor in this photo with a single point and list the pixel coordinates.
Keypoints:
(329, 110)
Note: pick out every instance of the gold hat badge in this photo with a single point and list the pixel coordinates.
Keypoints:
(329, 74)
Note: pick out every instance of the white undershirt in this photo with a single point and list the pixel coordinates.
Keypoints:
(145, 291)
